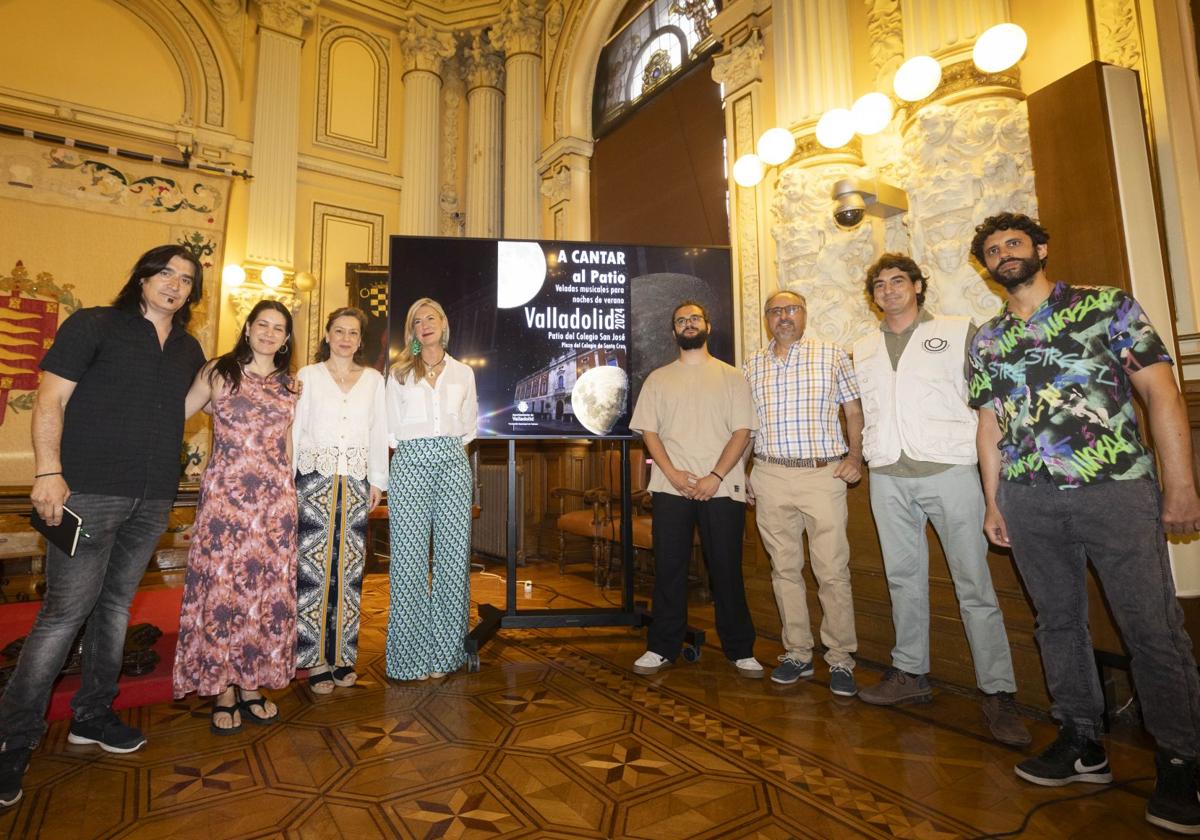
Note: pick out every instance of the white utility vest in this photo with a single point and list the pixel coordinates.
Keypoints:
(921, 407)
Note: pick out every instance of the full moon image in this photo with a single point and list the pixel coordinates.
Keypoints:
(520, 273)
(599, 398)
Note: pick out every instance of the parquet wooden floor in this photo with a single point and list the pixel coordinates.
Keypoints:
(556, 737)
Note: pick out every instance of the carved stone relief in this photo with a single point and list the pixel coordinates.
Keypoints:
(1118, 37)
(483, 64)
(886, 33)
(747, 230)
(557, 187)
(741, 65)
(519, 29)
(231, 14)
(959, 164)
(452, 219)
(286, 16)
(817, 258)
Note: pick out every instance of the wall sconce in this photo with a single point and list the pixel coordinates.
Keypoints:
(996, 50)
(249, 284)
(775, 146)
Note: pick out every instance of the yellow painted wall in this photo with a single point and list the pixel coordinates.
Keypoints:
(92, 52)
(1059, 39)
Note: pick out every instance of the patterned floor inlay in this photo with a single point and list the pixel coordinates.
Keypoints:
(556, 737)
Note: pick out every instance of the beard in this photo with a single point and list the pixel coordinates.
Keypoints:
(692, 342)
(1029, 266)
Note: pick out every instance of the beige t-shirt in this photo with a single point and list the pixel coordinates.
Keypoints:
(695, 409)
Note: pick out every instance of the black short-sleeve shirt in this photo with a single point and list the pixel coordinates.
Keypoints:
(123, 424)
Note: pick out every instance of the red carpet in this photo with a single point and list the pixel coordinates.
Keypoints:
(159, 607)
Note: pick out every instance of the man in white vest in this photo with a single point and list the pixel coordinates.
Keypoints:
(919, 441)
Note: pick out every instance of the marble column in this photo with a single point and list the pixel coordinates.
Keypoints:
(947, 31)
(565, 172)
(519, 35)
(485, 116)
(423, 49)
(812, 60)
(271, 228)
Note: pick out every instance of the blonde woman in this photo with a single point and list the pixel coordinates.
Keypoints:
(432, 414)
(340, 447)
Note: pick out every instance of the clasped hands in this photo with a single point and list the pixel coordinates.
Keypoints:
(690, 486)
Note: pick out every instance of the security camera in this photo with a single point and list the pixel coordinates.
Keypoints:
(849, 210)
(853, 200)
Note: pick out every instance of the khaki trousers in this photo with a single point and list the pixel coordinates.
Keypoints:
(793, 501)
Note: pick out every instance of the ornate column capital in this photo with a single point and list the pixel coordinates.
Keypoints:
(740, 65)
(483, 63)
(286, 16)
(423, 47)
(519, 29)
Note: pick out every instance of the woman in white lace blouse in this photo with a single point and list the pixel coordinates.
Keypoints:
(341, 451)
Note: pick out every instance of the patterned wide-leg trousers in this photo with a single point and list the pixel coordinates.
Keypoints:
(329, 572)
(429, 490)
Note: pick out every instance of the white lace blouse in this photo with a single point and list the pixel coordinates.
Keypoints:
(449, 408)
(338, 433)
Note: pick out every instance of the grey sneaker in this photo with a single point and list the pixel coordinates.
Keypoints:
(841, 681)
(898, 687)
(790, 669)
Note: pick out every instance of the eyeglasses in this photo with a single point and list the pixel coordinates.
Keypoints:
(776, 311)
(689, 319)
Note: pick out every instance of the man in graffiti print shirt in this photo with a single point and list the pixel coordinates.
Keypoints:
(1067, 479)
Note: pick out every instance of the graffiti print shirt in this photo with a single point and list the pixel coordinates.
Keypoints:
(1060, 389)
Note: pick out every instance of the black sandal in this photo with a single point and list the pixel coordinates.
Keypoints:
(245, 706)
(344, 676)
(224, 710)
(321, 683)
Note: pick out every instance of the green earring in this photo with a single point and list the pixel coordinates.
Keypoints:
(415, 347)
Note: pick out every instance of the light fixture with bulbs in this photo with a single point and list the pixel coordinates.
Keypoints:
(999, 48)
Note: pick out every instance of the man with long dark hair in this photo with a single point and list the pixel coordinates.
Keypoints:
(1068, 479)
(106, 432)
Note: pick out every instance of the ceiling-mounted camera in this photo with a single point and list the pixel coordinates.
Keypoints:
(854, 199)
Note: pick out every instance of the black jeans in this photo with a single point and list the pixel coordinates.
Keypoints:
(722, 522)
(96, 586)
(1118, 526)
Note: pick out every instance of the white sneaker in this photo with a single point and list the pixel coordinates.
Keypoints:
(650, 663)
(749, 667)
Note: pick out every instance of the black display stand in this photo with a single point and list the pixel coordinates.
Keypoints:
(492, 619)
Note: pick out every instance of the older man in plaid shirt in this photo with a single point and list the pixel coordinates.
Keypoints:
(802, 465)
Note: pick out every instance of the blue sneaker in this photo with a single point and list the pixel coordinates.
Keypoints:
(841, 681)
(790, 669)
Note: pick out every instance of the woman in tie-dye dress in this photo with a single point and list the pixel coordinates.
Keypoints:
(237, 626)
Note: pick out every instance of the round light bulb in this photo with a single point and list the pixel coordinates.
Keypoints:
(233, 275)
(917, 78)
(748, 170)
(272, 276)
(776, 145)
(872, 112)
(835, 128)
(1000, 47)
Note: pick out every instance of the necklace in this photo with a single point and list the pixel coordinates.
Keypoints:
(431, 370)
(341, 379)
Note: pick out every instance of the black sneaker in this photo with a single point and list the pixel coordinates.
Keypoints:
(12, 770)
(107, 730)
(1175, 804)
(1072, 757)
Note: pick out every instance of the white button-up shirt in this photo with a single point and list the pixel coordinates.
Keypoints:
(339, 433)
(446, 409)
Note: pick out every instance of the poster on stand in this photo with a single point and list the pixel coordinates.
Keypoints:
(560, 334)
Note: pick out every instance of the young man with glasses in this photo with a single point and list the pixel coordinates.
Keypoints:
(802, 465)
(696, 418)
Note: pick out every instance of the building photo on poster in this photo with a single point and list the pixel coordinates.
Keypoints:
(560, 334)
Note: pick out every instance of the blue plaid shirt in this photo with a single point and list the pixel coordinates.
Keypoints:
(797, 399)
